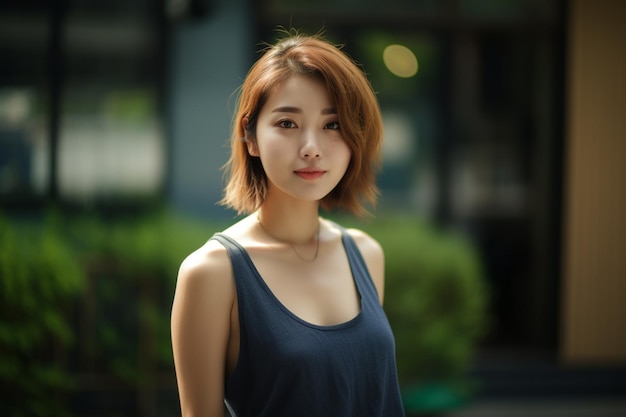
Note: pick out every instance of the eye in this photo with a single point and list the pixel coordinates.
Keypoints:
(286, 124)
(332, 126)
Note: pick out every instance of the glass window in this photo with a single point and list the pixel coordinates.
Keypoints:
(80, 103)
(23, 103)
(111, 140)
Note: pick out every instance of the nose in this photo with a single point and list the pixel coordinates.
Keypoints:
(311, 146)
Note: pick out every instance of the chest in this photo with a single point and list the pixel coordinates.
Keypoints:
(322, 292)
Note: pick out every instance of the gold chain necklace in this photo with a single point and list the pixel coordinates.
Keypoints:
(317, 241)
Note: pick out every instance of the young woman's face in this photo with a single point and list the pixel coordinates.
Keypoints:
(299, 140)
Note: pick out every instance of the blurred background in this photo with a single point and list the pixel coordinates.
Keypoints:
(502, 207)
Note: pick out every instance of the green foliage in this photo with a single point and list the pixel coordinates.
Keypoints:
(437, 301)
(86, 295)
(38, 277)
(131, 265)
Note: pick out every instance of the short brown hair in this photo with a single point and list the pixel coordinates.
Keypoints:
(357, 109)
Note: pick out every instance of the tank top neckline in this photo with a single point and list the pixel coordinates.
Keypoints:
(259, 279)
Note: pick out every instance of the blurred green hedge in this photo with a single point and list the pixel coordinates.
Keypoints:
(38, 276)
(131, 265)
(87, 298)
(91, 295)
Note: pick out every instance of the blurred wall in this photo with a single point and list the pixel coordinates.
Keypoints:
(209, 59)
(595, 227)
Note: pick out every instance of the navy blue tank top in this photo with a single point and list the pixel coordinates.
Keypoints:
(288, 367)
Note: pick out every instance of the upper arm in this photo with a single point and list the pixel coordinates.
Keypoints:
(200, 326)
(374, 259)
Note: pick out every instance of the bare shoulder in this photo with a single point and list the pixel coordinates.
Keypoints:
(366, 243)
(209, 267)
(209, 260)
(206, 268)
(374, 258)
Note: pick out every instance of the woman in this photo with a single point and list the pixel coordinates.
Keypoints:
(280, 314)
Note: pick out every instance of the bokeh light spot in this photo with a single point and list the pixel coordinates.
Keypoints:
(400, 61)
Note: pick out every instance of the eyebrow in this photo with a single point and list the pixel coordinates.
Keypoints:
(298, 110)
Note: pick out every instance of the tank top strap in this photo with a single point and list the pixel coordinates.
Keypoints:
(359, 267)
(240, 260)
(234, 249)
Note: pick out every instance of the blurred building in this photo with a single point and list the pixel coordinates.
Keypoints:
(511, 129)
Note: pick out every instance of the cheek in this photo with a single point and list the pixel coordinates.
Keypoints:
(272, 151)
(273, 155)
(343, 152)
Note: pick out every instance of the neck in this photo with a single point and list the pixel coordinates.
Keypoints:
(290, 225)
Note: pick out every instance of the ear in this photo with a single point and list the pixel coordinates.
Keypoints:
(253, 149)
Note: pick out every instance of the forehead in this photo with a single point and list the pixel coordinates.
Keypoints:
(299, 91)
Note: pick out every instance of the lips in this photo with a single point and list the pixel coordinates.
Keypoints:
(310, 173)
